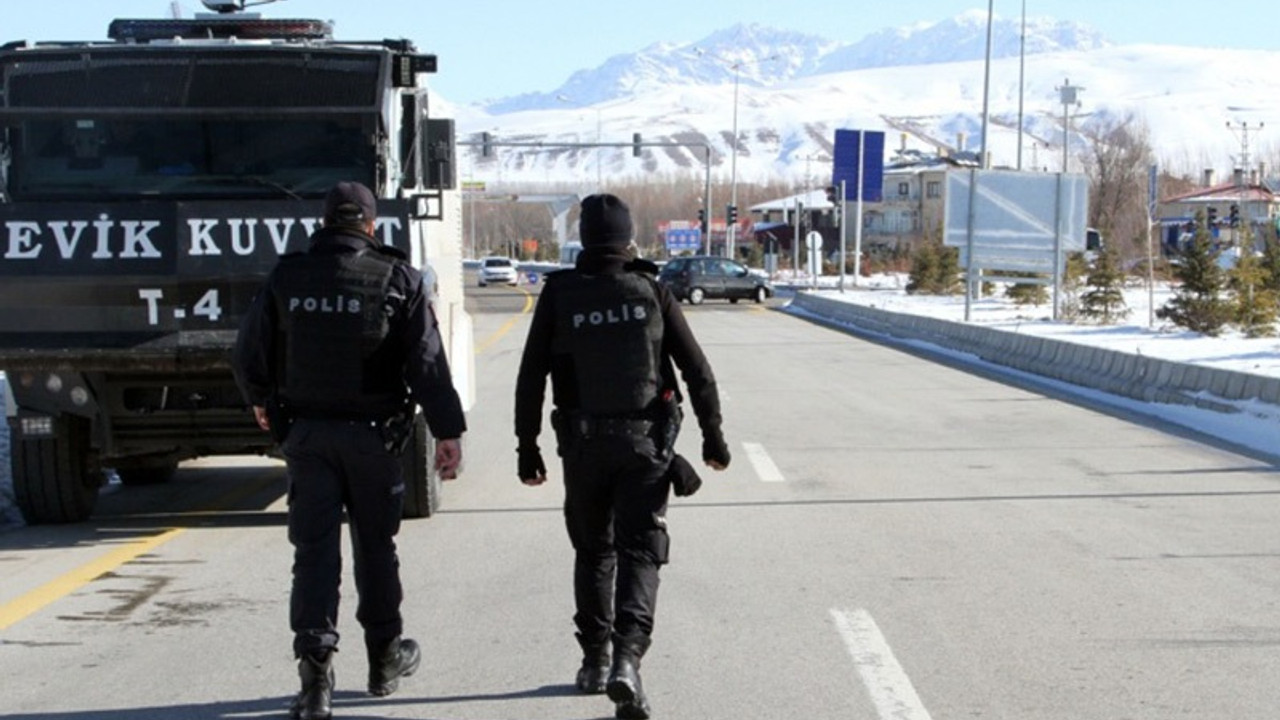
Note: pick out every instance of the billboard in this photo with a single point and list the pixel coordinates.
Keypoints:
(1019, 218)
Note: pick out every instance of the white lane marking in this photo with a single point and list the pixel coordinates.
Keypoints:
(763, 464)
(887, 684)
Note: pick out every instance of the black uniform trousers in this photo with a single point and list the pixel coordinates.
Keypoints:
(335, 465)
(615, 510)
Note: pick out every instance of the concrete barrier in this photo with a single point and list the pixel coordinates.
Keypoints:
(1129, 375)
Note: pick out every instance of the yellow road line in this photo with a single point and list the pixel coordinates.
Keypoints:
(29, 603)
(506, 327)
(69, 582)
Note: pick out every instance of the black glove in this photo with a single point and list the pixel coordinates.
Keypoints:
(529, 463)
(714, 449)
(684, 479)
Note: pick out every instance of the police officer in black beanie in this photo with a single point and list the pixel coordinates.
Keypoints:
(333, 354)
(607, 333)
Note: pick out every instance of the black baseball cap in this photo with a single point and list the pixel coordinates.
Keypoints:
(348, 203)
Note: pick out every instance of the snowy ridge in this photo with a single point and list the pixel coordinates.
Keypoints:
(922, 85)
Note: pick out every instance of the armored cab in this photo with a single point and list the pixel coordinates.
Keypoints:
(148, 183)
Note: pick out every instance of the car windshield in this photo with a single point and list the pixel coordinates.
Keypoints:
(497, 263)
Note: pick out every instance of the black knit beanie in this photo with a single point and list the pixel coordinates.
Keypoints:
(606, 220)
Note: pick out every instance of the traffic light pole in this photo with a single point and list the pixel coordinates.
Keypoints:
(487, 143)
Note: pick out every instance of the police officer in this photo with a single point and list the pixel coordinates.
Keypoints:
(607, 334)
(333, 354)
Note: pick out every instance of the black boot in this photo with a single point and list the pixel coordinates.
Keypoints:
(315, 700)
(397, 659)
(594, 672)
(624, 687)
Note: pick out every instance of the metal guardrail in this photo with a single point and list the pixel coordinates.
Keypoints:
(1126, 374)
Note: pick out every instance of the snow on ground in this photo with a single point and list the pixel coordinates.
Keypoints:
(1139, 333)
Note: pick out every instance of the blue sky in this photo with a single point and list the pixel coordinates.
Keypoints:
(495, 48)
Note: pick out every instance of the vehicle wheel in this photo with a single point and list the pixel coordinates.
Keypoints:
(148, 474)
(481, 283)
(696, 296)
(761, 294)
(733, 301)
(421, 481)
(52, 478)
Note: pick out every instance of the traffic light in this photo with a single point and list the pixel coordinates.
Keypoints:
(635, 145)
(1234, 217)
(486, 145)
(731, 214)
(1212, 216)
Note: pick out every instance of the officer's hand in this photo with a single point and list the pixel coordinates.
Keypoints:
(260, 414)
(529, 465)
(448, 458)
(715, 453)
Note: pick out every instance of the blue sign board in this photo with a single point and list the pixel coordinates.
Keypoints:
(684, 240)
(856, 148)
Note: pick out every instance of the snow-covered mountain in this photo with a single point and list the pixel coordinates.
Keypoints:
(923, 85)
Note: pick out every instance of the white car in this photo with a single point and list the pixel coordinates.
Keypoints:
(497, 270)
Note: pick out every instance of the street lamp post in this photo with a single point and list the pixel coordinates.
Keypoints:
(731, 230)
(736, 65)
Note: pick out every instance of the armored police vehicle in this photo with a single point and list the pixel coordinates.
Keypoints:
(148, 183)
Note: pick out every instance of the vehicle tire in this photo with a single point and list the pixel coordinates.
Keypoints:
(481, 283)
(156, 473)
(761, 294)
(421, 481)
(53, 481)
(696, 296)
(733, 301)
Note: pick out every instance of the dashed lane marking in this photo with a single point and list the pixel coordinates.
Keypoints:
(763, 464)
(886, 682)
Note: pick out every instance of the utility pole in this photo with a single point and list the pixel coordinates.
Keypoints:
(1240, 214)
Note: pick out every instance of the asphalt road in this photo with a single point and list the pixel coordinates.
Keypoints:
(894, 539)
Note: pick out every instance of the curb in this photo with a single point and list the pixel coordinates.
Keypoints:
(1125, 374)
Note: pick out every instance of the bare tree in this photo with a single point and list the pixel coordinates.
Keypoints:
(1116, 164)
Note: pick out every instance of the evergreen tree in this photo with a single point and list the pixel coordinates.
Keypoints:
(935, 270)
(1104, 302)
(1027, 293)
(1271, 260)
(1254, 301)
(1198, 304)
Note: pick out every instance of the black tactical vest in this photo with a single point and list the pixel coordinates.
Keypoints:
(332, 315)
(611, 325)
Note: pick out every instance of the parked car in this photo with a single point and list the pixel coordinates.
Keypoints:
(497, 270)
(704, 276)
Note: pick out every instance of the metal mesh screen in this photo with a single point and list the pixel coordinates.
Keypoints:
(201, 79)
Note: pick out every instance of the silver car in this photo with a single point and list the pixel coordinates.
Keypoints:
(499, 270)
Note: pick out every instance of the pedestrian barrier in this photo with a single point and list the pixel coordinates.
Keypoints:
(1119, 373)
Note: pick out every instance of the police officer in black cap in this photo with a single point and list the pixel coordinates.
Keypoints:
(607, 333)
(334, 353)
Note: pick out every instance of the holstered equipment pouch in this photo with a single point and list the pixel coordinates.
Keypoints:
(280, 420)
(397, 431)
